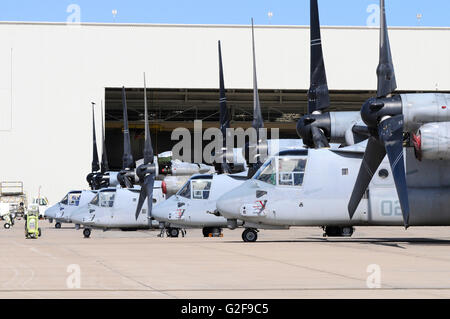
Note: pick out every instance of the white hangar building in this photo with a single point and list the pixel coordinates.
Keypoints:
(51, 72)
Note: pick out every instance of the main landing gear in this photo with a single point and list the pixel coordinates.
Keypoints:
(57, 225)
(173, 232)
(336, 231)
(86, 232)
(212, 232)
(250, 235)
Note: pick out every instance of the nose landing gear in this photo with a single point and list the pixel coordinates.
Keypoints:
(87, 233)
(336, 231)
(250, 235)
(212, 232)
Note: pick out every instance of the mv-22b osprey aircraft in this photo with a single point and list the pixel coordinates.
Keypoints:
(409, 187)
(195, 205)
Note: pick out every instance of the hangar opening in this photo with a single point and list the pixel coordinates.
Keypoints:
(173, 108)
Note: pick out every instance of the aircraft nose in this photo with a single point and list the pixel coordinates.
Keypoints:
(160, 211)
(50, 212)
(79, 216)
(229, 204)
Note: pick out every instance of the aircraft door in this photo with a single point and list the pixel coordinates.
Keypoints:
(106, 202)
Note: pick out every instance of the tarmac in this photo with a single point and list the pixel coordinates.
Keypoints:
(377, 262)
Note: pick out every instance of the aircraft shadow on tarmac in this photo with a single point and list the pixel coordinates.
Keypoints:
(391, 242)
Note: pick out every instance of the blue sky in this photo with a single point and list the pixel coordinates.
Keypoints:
(285, 12)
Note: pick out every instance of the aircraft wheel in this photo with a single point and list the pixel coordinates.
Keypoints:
(216, 232)
(7, 226)
(77, 226)
(206, 231)
(87, 233)
(58, 225)
(173, 232)
(335, 231)
(39, 232)
(347, 231)
(50, 220)
(250, 235)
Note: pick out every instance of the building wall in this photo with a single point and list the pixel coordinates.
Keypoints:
(49, 74)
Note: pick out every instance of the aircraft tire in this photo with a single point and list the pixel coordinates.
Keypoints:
(347, 231)
(206, 231)
(58, 225)
(50, 220)
(87, 233)
(335, 231)
(173, 232)
(39, 232)
(249, 235)
(7, 226)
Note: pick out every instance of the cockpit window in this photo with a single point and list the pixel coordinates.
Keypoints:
(201, 189)
(74, 199)
(285, 171)
(94, 201)
(65, 200)
(104, 199)
(291, 171)
(185, 191)
(267, 173)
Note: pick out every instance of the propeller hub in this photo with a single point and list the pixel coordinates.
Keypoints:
(305, 127)
(375, 110)
(145, 169)
(126, 174)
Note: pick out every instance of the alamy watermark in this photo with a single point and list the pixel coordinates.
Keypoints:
(73, 281)
(251, 141)
(74, 17)
(374, 279)
(373, 20)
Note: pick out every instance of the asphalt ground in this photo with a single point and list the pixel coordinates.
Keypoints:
(377, 262)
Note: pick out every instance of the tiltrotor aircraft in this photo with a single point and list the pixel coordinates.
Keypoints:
(61, 212)
(194, 205)
(113, 208)
(311, 187)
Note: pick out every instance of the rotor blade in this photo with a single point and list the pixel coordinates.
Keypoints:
(385, 71)
(373, 157)
(320, 141)
(146, 193)
(95, 163)
(128, 161)
(258, 121)
(391, 133)
(361, 130)
(318, 95)
(225, 167)
(224, 115)
(105, 165)
(148, 149)
(127, 181)
(142, 197)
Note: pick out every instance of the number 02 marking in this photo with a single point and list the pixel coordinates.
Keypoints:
(390, 208)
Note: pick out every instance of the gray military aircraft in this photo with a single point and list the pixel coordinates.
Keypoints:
(99, 177)
(311, 187)
(61, 211)
(194, 205)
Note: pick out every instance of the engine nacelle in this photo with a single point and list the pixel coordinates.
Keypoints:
(341, 122)
(432, 141)
(419, 109)
(172, 184)
(334, 126)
